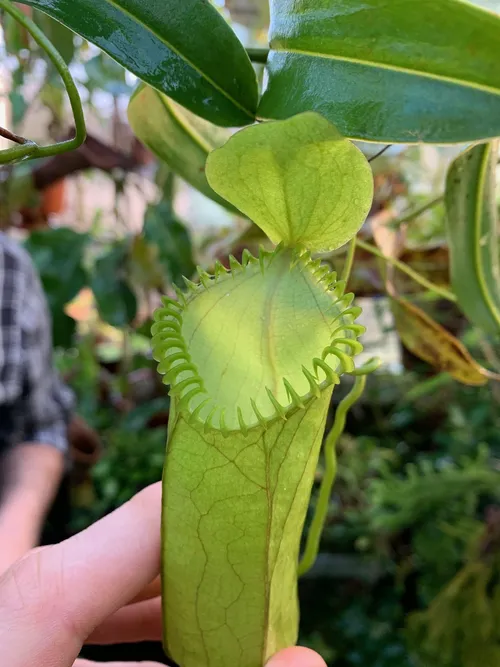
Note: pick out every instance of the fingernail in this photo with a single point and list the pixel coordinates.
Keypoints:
(296, 656)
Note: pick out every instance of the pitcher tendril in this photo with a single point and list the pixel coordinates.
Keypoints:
(325, 492)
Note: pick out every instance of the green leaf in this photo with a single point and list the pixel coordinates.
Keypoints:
(299, 180)
(172, 240)
(106, 74)
(251, 356)
(58, 256)
(176, 136)
(472, 229)
(63, 329)
(184, 49)
(18, 106)
(390, 72)
(116, 302)
(59, 35)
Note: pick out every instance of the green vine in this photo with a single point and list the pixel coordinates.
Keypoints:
(27, 149)
(404, 268)
(325, 492)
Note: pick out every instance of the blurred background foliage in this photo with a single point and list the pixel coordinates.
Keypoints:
(408, 574)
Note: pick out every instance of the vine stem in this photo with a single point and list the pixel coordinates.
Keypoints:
(417, 277)
(325, 491)
(347, 268)
(416, 212)
(27, 148)
(15, 138)
(380, 153)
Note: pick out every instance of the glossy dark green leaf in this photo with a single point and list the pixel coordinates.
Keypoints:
(183, 48)
(472, 228)
(179, 138)
(175, 251)
(116, 302)
(405, 71)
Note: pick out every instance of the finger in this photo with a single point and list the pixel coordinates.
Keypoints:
(91, 663)
(140, 622)
(152, 590)
(296, 656)
(53, 600)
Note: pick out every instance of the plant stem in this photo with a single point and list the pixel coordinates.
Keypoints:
(380, 153)
(258, 55)
(416, 212)
(27, 148)
(347, 268)
(417, 277)
(7, 134)
(325, 492)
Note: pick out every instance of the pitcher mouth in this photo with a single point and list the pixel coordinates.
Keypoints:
(258, 386)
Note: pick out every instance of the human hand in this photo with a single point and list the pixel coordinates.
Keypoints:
(90, 589)
(32, 473)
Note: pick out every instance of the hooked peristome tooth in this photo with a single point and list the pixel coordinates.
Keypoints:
(219, 269)
(346, 361)
(205, 277)
(247, 257)
(276, 252)
(315, 390)
(276, 404)
(208, 421)
(186, 399)
(354, 312)
(178, 387)
(354, 344)
(180, 368)
(322, 273)
(305, 258)
(234, 265)
(346, 300)
(169, 303)
(222, 423)
(329, 279)
(167, 361)
(161, 343)
(180, 294)
(339, 289)
(189, 284)
(241, 421)
(330, 374)
(194, 415)
(293, 395)
(357, 329)
(258, 414)
(314, 265)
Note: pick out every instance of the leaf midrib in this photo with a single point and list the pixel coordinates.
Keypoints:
(184, 125)
(478, 217)
(391, 68)
(207, 78)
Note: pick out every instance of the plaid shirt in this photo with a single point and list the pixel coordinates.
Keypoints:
(34, 404)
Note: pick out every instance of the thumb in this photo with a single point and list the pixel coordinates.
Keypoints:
(53, 599)
(296, 656)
